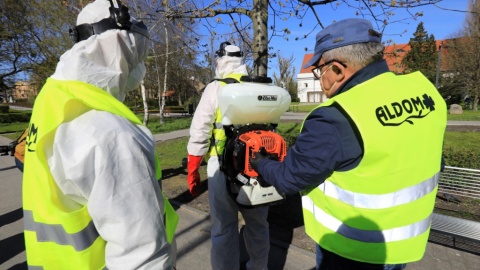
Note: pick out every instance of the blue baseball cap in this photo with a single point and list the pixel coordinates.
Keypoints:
(343, 33)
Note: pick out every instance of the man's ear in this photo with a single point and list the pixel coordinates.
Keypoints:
(339, 71)
(337, 68)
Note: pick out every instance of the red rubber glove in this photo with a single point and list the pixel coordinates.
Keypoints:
(193, 177)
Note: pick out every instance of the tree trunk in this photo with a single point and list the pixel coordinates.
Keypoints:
(145, 104)
(259, 18)
(162, 105)
(178, 94)
(475, 102)
(160, 98)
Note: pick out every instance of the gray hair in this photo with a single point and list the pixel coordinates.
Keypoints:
(356, 55)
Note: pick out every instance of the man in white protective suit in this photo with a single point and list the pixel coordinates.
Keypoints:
(207, 139)
(91, 195)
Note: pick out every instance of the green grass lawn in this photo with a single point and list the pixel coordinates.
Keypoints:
(170, 124)
(468, 115)
(457, 139)
(299, 107)
(171, 152)
(12, 127)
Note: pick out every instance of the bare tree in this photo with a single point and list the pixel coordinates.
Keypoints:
(167, 40)
(12, 54)
(286, 78)
(258, 13)
(33, 35)
(463, 57)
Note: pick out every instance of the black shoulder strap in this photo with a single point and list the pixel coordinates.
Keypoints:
(226, 80)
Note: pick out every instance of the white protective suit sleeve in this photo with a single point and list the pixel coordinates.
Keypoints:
(203, 120)
(108, 163)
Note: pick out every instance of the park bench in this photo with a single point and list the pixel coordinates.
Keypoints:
(168, 110)
(453, 182)
(463, 182)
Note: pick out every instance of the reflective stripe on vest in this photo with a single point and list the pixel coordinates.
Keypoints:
(380, 201)
(30, 267)
(56, 233)
(41, 268)
(368, 236)
(379, 212)
(218, 133)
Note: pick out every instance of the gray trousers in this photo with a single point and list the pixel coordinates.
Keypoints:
(225, 253)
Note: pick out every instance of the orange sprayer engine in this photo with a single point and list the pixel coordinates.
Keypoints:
(248, 188)
(273, 143)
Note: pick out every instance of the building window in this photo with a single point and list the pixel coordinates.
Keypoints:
(306, 84)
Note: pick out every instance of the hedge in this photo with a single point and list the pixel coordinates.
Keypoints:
(15, 117)
(462, 157)
(4, 108)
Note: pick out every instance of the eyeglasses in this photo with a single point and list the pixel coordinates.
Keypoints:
(317, 71)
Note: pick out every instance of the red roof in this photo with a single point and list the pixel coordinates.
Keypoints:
(393, 54)
(306, 58)
(169, 93)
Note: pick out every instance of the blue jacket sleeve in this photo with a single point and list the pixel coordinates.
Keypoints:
(327, 143)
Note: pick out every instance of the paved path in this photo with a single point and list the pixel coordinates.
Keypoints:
(193, 236)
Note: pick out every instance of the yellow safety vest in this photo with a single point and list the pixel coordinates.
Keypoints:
(55, 237)
(380, 211)
(218, 144)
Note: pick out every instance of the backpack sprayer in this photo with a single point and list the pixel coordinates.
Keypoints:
(251, 111)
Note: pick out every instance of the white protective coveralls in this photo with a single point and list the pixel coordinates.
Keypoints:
(106, 162)
(225, 252)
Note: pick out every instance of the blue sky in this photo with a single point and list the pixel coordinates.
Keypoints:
(442, 24)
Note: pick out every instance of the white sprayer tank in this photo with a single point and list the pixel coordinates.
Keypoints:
(253, 101)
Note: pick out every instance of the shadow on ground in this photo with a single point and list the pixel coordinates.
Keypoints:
(14, 244)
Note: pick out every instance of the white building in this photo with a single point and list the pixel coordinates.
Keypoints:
(308, 87)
